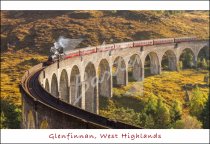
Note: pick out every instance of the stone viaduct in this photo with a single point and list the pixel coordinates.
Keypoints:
(81, 80)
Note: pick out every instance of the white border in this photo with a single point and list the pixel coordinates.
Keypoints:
(193, 136)
(104, 5)
(169, 136)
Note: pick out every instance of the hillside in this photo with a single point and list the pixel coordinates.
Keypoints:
(128, 104)
(26, 36)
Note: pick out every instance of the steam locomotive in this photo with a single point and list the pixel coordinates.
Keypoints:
(109, 47)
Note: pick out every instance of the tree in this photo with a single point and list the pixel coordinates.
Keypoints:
(204, 64)
(149, 122)
(188, 122)
(180, 66)
(197, 102)
(175, 111)
(155, 114)
(11, 114)
(187, 59)
(162, 117)
(151, 106)
(146, 116)
(199, 63)
(124, 114)
(205, 115)
(3, 121)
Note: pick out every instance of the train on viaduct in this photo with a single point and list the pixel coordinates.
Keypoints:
(66, 93)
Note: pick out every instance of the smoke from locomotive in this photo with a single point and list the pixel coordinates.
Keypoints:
(62, 46)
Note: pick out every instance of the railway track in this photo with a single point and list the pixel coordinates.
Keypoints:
(32, 87)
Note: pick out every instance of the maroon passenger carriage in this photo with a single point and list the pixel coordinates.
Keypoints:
(123, 45)
(184, 39)
(163, 41)
(87, 51)
(142, 43)
(107, 47)
(71, 54)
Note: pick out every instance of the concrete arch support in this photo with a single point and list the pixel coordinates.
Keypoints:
(54, 86)
(64, 88)
(154, 63)
(104, 82)
(91, 94)
(75, 87)
(135, 67)
(120, 73)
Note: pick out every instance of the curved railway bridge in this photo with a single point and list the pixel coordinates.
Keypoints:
(66, 94)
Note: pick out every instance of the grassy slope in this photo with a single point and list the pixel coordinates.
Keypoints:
(31, 33)
(167, 85)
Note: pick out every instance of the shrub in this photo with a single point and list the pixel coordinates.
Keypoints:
(162, 117)
(175, 111)
(151, 106)
(149, 121)
(204, 64)
(155, 114)
(180, 66)
(126, 115)
(199, 63)
(205, 115)
(3, 121)
(197, 103)
(188, 122)
(10, 115)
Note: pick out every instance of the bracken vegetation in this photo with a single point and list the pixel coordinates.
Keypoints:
(26, 37)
